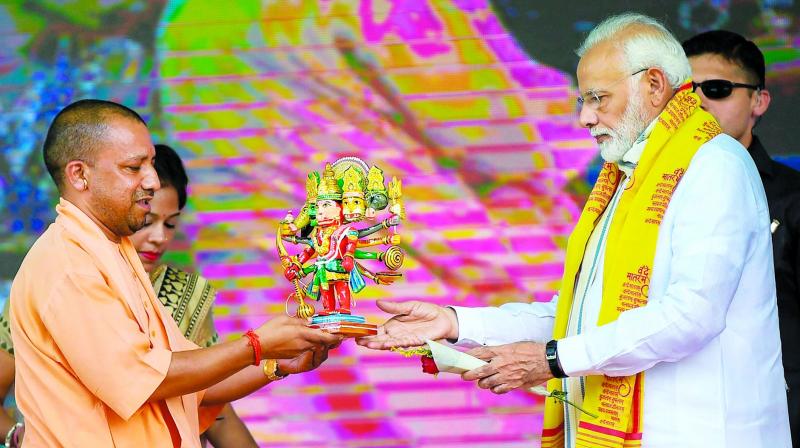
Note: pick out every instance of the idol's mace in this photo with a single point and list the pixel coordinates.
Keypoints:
(304, 310)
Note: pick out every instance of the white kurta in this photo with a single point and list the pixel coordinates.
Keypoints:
(708, 336)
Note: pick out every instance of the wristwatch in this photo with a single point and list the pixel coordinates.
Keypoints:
(551, 354)
(271, 370)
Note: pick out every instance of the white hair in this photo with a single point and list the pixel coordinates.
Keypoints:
(657, 48)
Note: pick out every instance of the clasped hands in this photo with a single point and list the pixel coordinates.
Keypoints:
(510, 366)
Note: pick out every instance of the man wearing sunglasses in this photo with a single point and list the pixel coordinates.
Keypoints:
(728, 72)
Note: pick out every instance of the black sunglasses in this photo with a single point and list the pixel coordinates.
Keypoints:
(717, 89)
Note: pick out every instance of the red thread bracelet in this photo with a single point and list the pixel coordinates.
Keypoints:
(256, 344)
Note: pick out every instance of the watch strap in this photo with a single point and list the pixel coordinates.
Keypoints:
(551, 354)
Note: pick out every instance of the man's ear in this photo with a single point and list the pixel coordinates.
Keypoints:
(658, 88)
(75, 175)
(762, 99)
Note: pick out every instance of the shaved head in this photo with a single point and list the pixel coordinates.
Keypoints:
(78, 131)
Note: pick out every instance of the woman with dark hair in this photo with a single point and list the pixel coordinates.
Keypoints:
(186, 295)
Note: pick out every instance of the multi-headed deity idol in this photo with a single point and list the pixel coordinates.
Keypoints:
(346, 193)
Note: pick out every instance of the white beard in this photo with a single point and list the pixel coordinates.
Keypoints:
(622, 138)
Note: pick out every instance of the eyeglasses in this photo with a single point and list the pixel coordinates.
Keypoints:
(717, 89)
(593, 98)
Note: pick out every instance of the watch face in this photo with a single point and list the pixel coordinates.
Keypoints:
(550, 351)
(271, 370)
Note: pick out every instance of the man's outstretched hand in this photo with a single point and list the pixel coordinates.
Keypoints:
(414, 323)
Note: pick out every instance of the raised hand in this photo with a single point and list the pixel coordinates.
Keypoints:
(291, 273)
(348, 262)
(287, 337)
(511, 366)
(414, 323)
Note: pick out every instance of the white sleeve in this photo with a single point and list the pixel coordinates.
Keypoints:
(512, 322)
(716, 214)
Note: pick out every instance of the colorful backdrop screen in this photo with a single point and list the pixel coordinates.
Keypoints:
(470, 102)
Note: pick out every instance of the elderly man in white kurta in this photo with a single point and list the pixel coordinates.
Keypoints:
(665, 329)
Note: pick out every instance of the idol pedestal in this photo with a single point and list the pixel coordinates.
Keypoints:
(349, 325)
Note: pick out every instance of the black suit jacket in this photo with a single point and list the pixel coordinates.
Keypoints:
(782, 185)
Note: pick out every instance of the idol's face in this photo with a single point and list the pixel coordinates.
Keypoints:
(312, 214)
(328, 213)
(353, 208)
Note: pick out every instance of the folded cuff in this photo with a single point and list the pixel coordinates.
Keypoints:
(141, 387)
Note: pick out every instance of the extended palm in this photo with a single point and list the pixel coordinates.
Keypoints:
(414, 323)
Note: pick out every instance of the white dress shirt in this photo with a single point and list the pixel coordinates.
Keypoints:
(708, 336)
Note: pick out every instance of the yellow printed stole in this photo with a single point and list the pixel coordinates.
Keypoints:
(681, 128)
